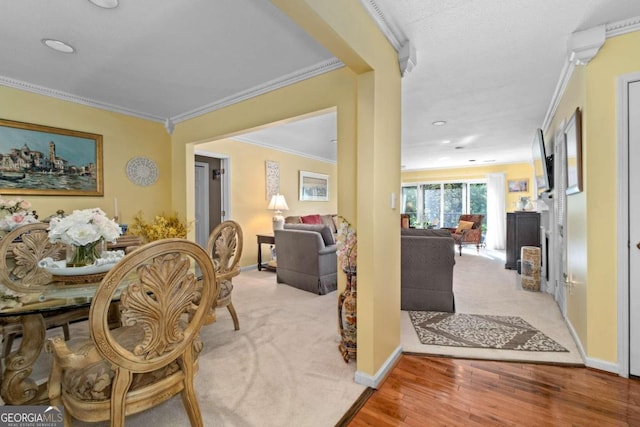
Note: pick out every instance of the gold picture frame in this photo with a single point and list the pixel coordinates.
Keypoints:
(49, 161)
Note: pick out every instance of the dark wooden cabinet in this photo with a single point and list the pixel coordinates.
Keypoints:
(523, 229)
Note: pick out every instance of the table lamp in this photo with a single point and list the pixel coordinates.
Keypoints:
(278, 204)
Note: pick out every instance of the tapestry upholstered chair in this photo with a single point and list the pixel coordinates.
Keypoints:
(20, 251)
(468, 231)
(225, 247)
(166, 289)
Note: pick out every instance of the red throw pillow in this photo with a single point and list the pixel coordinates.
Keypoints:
(311, 219)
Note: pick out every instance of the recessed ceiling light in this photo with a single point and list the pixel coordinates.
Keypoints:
(335, 141)
(403, 166)
(459, 147)
(439, 123)
(472, 160)
(107, 4)
(58, 45)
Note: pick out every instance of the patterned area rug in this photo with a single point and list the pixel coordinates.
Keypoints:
(482, 331)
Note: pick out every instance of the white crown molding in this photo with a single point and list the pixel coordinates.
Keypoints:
(623, 27)
(41, 90)
(612, 29)
(286, 80)
(284, 150)
(395, 36)
(583, 46)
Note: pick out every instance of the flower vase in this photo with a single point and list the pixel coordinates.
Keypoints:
(83, 255)
(347, 315)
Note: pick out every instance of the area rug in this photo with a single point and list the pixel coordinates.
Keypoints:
(480, 331)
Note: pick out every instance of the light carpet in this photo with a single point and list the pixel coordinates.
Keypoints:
(482, 285)
(282, 368)
(477, 330)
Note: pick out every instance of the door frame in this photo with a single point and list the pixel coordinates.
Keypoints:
(623, 247)
(202, 239)
(225, 180)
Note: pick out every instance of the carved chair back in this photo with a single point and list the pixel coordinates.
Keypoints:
(163, 306)
(21, 250)
(225, 248)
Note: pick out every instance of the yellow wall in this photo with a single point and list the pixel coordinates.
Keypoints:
(576, 230)
(247, 183)
(512, 171)
(124, 137)
(618, 56)
(366, 95)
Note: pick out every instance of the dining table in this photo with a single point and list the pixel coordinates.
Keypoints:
(29, 309)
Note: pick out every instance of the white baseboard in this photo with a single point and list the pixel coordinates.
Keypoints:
(376, 380)
(602, 365)
(591, 362)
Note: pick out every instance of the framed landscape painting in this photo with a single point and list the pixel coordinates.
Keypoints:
(44, 160)
(314, 187)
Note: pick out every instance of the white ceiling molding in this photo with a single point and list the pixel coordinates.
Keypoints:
(584, 45)
(610, 30)
(281, 149)
(40, 90)
(390, 30)
(623, 27)
(407, 59)
(286, 80)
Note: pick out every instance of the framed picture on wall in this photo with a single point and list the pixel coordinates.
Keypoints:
(314, 187)
(518, 185)
(44, 160)
(573, 138)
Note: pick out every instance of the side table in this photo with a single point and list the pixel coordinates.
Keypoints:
(268, 240)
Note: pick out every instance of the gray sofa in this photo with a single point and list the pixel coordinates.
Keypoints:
(427, 258)
(306, 256)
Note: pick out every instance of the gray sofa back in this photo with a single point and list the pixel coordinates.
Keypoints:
(427, 258)
(304, 258)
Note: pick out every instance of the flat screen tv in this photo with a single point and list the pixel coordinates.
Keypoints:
(542, 163)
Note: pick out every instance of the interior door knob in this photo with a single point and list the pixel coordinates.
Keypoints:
(638, 245)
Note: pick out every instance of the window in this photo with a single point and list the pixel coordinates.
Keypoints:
(441, 204)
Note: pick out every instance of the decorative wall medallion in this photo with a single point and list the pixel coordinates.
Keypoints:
(142, 171)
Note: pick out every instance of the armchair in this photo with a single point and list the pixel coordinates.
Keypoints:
(307, 257)
(468, 231)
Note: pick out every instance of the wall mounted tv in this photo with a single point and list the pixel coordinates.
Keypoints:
(542, 163)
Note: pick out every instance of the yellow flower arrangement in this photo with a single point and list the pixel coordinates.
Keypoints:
(162, 227)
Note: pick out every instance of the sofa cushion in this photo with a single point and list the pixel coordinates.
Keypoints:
(311, 219)
(329, 222)
(435, 232)
(325, 232)
(293, 220)
(464, 225)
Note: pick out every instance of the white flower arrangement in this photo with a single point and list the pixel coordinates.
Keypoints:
(16, 214)
(83, 227)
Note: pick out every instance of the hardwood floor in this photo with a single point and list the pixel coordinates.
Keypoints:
(429, 391)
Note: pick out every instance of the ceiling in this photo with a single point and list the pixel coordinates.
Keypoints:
(489, 69)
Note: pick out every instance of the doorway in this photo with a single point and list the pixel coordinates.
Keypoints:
(628, 231)
(211, 194)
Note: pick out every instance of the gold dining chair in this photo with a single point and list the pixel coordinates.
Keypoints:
(20, 251)
(225, 248)
(153, 355)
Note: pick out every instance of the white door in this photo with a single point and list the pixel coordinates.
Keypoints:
(202, 203)
(634, 227)
(560, 214)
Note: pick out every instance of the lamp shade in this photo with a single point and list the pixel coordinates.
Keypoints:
(278, 203)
